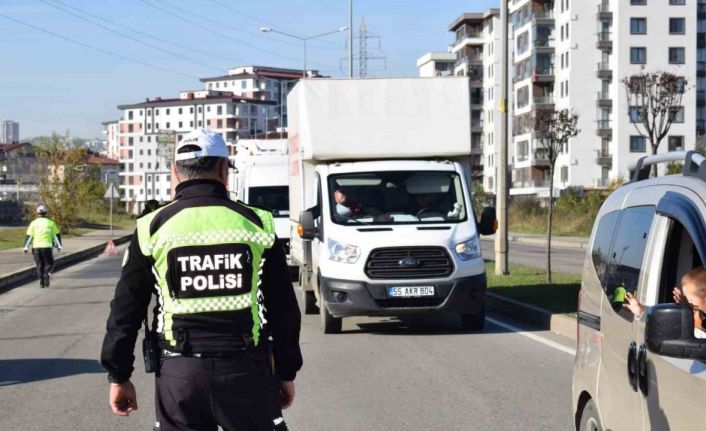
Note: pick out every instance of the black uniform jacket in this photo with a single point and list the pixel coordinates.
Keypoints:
(136, 286)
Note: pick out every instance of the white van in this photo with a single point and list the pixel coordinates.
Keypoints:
(380, 194)
(647, 374)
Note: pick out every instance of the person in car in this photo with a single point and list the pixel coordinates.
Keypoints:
(692, 293)
(343, 205)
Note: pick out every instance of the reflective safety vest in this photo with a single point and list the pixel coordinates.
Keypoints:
(42, 231)
(206, 259)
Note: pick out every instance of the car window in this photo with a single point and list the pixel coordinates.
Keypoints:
(624, 265)
(602, 241)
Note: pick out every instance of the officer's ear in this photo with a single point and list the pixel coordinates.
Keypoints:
(223, 171)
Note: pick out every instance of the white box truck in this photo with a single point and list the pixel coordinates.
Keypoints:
(261, 178)
(380, 199)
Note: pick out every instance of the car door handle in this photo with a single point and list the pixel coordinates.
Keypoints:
(642, 374)
(632, 365)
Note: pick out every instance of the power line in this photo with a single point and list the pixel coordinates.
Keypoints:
(126, 36)
(254, 18)
(210, 30)
(103, 51)
(152, 36)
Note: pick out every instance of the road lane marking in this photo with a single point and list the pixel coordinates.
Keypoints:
(520, 331)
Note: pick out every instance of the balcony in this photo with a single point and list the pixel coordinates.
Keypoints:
(604, 128)
(544, 45)
(543, 101)
(604, 158)
(477, 147)
(540, 157)
(543, 74)
(700, 127)
(604, 11)
(605, 41)
(603, 70)
(700, 98)
(701, 69)
(601, 183)
(701, 11)
(603, 99)
(543, 18)
(477, 101)
(476, 124)
(537, 184)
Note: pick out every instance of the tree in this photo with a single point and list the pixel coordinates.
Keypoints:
(654, 101)
(67, 184)
(553, 129)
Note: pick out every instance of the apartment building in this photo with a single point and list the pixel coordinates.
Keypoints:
(260, 82)
(436, 64)
(245, 102)
(575, 54)
(9, 132)
(477, 51)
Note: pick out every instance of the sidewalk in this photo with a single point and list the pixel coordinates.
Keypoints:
(17, 267)
(579, 243)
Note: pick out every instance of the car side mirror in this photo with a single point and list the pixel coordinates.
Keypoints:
(670, 332)
(488, 221)
(306, 228)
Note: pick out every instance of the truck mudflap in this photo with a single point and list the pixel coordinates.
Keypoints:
(346, 298)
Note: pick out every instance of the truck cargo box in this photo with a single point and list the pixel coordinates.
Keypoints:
(353, 119)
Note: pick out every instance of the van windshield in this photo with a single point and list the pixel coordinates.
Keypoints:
(399, 197)
(274, 198)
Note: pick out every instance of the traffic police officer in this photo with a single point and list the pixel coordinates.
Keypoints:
(226, 318)
(43, 235)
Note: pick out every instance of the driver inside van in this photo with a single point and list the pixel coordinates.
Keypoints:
(343, 205)
(692, 293)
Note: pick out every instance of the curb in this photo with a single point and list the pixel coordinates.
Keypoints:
(23, 276)
(543, 319)
(556, 242)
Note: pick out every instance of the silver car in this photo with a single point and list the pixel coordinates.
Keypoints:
(647, 373)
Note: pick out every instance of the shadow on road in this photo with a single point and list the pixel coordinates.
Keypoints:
(19, 371)
(424, 325)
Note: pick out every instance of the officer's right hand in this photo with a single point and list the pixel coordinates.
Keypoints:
(25, 250)
(123, 398)
(286, 394)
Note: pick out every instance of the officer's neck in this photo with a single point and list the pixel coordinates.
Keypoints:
(201, 187)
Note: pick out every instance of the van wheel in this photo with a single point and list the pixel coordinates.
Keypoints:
(309, 302)
(474, 322)
(589, 418)
(329, 324)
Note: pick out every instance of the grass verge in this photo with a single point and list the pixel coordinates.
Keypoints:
(528, 285)
(14, 237)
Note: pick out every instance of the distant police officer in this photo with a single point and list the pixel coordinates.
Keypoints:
(43, 235)
(226, 318)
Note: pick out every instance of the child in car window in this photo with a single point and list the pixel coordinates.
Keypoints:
(692, 293)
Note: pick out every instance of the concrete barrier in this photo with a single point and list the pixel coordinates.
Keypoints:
(63, 261)
(558, 323)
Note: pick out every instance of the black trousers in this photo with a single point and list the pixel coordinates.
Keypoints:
(238, 393)
(44, 258)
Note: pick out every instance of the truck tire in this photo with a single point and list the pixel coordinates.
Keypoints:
(329, 324)
(309, 302)
(589, 418)
(474, 322)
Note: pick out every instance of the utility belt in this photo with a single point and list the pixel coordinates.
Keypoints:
(154, 350)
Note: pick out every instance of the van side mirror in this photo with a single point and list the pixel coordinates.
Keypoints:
(670, 332)
(488, 221)
(306, 229)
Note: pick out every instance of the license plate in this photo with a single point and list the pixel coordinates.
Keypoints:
(409, 291)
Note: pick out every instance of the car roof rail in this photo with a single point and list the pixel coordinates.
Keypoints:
(694, 165)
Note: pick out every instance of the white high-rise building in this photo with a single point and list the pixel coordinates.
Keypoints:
(9, 132)
(575, 54)
(477, 50)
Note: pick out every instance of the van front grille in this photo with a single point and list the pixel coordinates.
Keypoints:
(409, 263)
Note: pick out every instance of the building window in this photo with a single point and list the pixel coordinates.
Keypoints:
(149, 139)
(634, 114)
(638, 2)
(677, 26)
(140, 112)
(191, 124)
(142, 165)
(180, 125)
(208, 109)
(676, 143)
(142, 152)
(167, 111)
(638, 25)
(523, 97)
(149, 126)
(156, 112)
(156, 126)
(638, 55)
(677, 2)
(637, 144)
(130, 141)
(219, 124)
(168, 125)
(149, 152)
(219, 110)
(243, 84)
(191, 110)
(200, 123)
(129, 115)
(564, 174)
(676, 55)
(180, 110)
(522, 43)
(678, 114)
(199, 109)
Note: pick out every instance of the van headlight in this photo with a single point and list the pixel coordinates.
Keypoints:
(344, 253)
(469, 249)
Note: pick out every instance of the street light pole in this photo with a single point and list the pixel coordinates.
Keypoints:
(501, 238)
(302, 38)
(350, 39)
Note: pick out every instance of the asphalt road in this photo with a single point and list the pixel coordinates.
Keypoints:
(381, 374)
(564, 259)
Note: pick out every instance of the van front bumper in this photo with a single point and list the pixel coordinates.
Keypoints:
(345, 298)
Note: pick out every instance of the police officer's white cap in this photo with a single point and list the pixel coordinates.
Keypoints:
(41, 209)
(211, 144)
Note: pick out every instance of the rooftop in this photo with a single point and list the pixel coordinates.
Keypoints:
(467, 17)
(158, 101)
